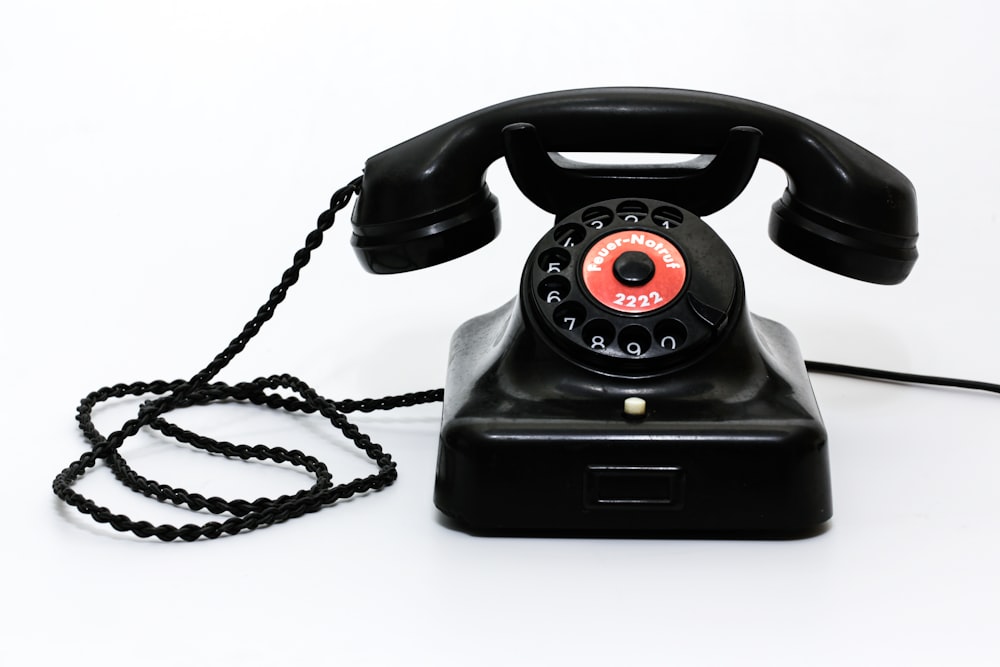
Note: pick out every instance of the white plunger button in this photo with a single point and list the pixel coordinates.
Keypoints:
(635, 406)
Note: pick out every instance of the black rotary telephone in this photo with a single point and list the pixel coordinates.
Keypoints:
(626, 388)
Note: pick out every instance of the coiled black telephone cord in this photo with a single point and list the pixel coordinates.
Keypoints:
(200, 390)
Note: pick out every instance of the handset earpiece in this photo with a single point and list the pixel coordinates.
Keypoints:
(426, 201)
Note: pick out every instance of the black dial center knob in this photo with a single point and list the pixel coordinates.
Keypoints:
(634, 268)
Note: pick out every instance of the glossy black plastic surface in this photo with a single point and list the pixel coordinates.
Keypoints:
(732, 444)
(425, 201)
(535, 435)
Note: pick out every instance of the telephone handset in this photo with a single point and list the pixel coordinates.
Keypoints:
(626, 388)
(425, 201)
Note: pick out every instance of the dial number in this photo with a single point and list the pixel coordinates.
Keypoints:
(638, 301)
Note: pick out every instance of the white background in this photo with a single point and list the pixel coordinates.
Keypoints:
(161, 161)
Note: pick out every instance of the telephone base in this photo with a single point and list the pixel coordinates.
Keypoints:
(530, 443)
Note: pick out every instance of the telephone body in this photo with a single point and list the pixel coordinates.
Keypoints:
(626, 388)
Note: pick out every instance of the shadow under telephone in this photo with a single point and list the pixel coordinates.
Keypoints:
(626, 389)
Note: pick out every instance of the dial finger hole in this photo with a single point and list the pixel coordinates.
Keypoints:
(597, 217)
(569, 235)
(569, 316)
(634, 340)
(632, 211)
(670, 334)
(668, 217)
(554, 260)
(598, 335)
(553, 289)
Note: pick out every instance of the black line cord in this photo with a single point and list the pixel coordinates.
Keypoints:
(265, 391)
(895, 376)
(200, 390)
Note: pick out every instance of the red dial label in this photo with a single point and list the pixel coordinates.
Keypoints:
(668, 274)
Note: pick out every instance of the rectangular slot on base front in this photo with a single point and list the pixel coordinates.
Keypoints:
(632, 486)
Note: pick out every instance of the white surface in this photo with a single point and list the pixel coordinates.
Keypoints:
(161, 162)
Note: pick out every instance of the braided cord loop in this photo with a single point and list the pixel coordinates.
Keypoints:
(200, 390)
